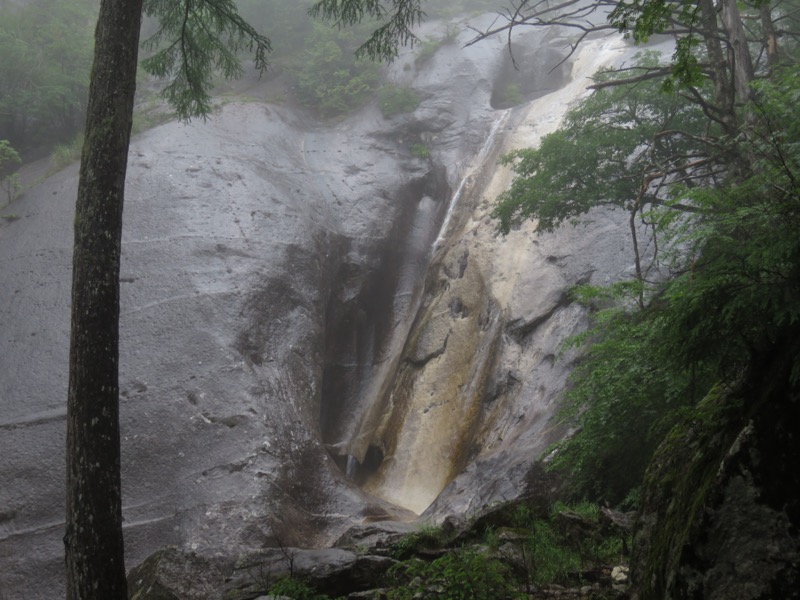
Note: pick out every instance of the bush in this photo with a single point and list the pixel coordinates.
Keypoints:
(419, 151)
(462, 574)
(426, 51)
(396, 100)
(66, 154)
(328, 78)
(9, 182)
(428, 536)
(552, 552)
(295, 589)
(510, 95)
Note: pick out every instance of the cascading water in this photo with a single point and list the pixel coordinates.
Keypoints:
(427, 230)
(478, 163)
(426, 405)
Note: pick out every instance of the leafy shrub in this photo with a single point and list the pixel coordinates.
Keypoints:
(462, 574)
(588, 510)
(9, 182)
(328, 78)
(427, 536)
(549, 558)
(396, 100)
(66, 154)
(426, 51)
(510, 95)
(295, 589)
(419, 151)
(431, 46)
(552, 554)
(11, 187)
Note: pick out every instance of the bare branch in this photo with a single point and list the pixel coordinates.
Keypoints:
(652, 73)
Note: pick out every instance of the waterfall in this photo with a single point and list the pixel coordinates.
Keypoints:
(433, 405)
(352, 467)
(488, 146)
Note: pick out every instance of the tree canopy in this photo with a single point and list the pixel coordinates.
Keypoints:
(45, 54)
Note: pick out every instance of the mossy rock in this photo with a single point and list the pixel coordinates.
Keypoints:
(721, 506)
(171, 574)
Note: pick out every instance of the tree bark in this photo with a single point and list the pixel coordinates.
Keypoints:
(724, 94)
(770, 35)
(742, 67)
(93, 540)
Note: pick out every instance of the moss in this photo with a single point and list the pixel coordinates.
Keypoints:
(677, 485)
(420, 151)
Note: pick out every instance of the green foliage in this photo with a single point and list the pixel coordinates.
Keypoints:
(631, 394)
(553, 555)
(611, 138)
(394, 26)
(328, 77)
(286, 24)
(522, 547)
(550, 559)
(66, 154)
(682, 474)
(419, 151)
(194, 40)
(429, 47)
(45, 55)
(426, 50)
(396, 100)
(295, 589)
(642, 19)
(733, 291)
(9, 181)
(426, 537)
(461, 574)
(510, 95)
(585, 509)
(8, 156)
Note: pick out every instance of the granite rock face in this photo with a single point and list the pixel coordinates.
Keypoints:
(318, 329)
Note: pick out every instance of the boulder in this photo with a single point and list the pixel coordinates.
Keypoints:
(720, 514)
(171, 574)
(334, 571)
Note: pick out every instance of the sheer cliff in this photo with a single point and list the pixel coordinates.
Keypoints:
(320, 327)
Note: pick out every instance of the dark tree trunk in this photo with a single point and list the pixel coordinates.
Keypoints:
(94, 550)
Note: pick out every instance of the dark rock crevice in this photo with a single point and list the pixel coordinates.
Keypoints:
(376, 283)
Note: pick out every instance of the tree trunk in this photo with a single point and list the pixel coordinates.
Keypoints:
(724, 94)
(742, 67)
(770, 36)
(93, 540)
